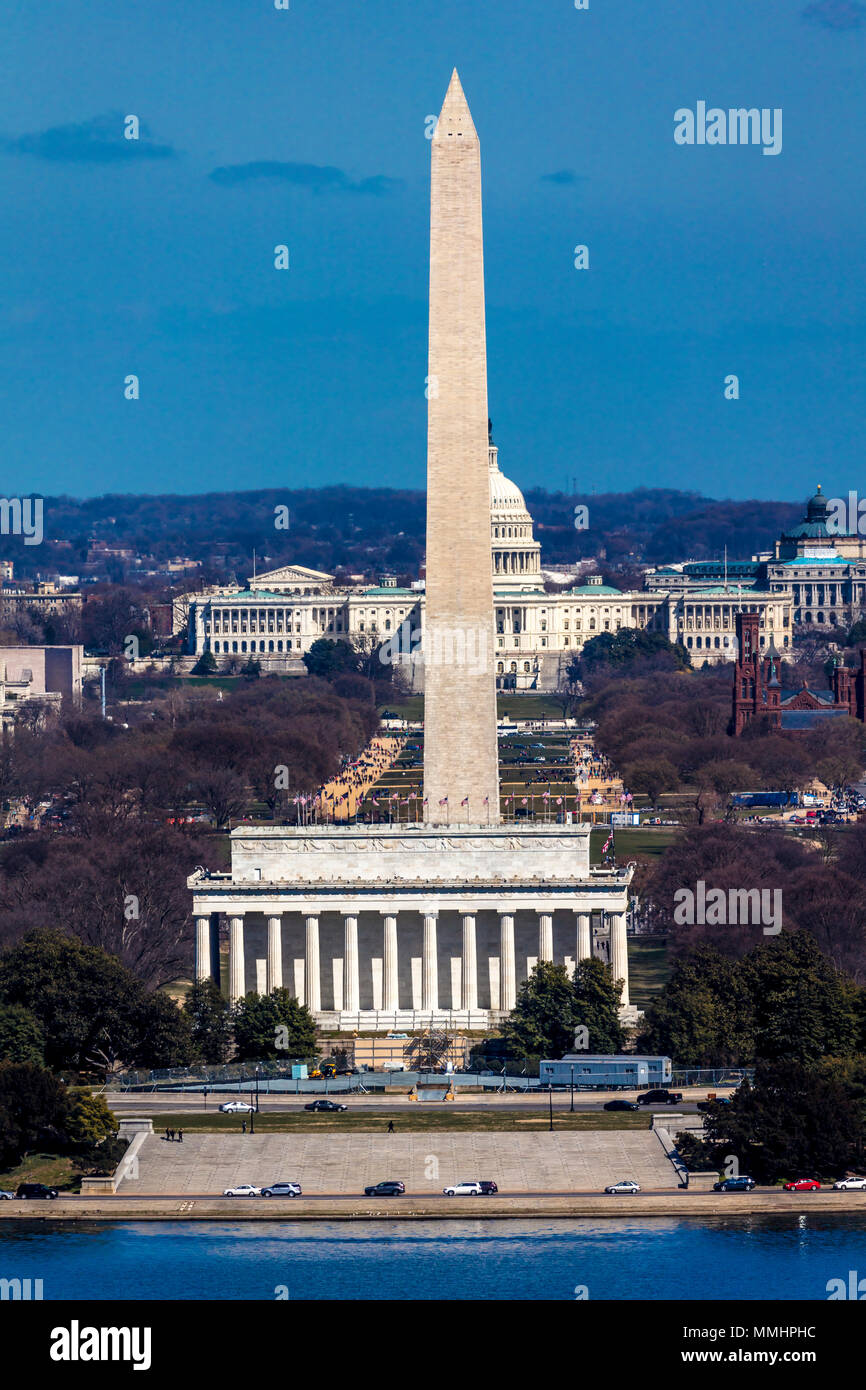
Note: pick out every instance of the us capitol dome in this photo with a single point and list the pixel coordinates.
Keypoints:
(516, 554)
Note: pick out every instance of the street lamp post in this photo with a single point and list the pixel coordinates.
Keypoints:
(572, 1088)
(550, 1101)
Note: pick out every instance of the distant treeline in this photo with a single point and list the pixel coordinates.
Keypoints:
(364, 529)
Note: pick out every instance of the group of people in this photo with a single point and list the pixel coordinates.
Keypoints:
(341, 797)
(174, 1134)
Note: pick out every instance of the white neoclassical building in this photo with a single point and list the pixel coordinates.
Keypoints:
(284, 611)
(382, 927)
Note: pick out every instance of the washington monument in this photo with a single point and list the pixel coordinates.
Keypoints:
(461, 771)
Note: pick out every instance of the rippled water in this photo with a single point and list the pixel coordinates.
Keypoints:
(776, 1257)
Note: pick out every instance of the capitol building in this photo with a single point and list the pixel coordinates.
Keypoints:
(537, 633)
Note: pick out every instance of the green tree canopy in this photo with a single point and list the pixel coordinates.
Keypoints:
(795, 1121)
(273, 1025)
(93, 1012)
(541, 1024)
(34, 1110)
(209, 1014)
(596, 1004)
(21, 1037)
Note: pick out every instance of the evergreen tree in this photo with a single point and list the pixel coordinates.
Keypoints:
(542, 1022)
(597, 998)
(21, 1038)
(205, 666)
(210, 1020)
(34, 1109)
(803, 1007)
(795, 1121)
(273, 1025)
(703, 1016)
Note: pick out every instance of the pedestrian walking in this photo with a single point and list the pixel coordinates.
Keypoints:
(243, 1126)
(166, 1132)
(171, 1134)
(390, 1126)
(180, 1136)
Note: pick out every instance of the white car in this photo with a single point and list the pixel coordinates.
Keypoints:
(463, 1189)
(624, 1185)
(237, 1107)
(850, 1185)
(244, 1189)
(6, 1196)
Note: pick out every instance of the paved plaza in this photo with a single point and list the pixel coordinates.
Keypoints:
(425, 1162)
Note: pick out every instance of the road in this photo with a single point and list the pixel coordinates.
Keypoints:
(186, 1102)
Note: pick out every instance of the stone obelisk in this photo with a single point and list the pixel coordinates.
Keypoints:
(460, 751)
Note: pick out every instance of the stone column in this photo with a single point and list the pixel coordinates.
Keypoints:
(351, 978)
(312, 986)
(390, 980)
(202, 948)
(470, 963)
(236, 958)
(584, 936)
(507, 974)
(429, 965)
(545, 936)
(275, 954)
(619, 953)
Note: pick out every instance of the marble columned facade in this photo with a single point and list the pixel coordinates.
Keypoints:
(374, 928)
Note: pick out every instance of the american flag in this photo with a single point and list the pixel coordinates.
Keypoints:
(607, 844)
(465, 801)
(443, 801)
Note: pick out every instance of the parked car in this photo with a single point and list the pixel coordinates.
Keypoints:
(6, 1196)
(463, 1189)
(243, 1189)
(389, 1188)
(488, 1189)
(803, 1185)
(850, 1185)
(36, 1191)
(621, 1105)
(282, 1189)
(625, 1185)
(329, 1105)
(735, 1185)
(237, 1107)
(660, 1095)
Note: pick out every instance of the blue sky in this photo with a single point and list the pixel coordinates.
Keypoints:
(307, 127)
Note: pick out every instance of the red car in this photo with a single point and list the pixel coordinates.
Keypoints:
(803, 1185)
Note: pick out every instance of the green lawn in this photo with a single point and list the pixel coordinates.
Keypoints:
(648, 970)
(428, 1115)
(55, 1170)
(633, 839)
(507, 707)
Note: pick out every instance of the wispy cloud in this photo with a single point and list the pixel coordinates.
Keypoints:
(836, 14)
(318, 178)
(97, 141)
(563, 177)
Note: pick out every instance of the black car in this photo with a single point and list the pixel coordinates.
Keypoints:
(660, 1096)
(488, 1189)
(385, 1189)
(621, 1105)
(325, 1105)
(735, 1185)
(36, 1190)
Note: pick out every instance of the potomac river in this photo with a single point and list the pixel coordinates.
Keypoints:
(785, 1256)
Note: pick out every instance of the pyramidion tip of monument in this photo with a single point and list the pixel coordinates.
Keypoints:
(455, 119)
